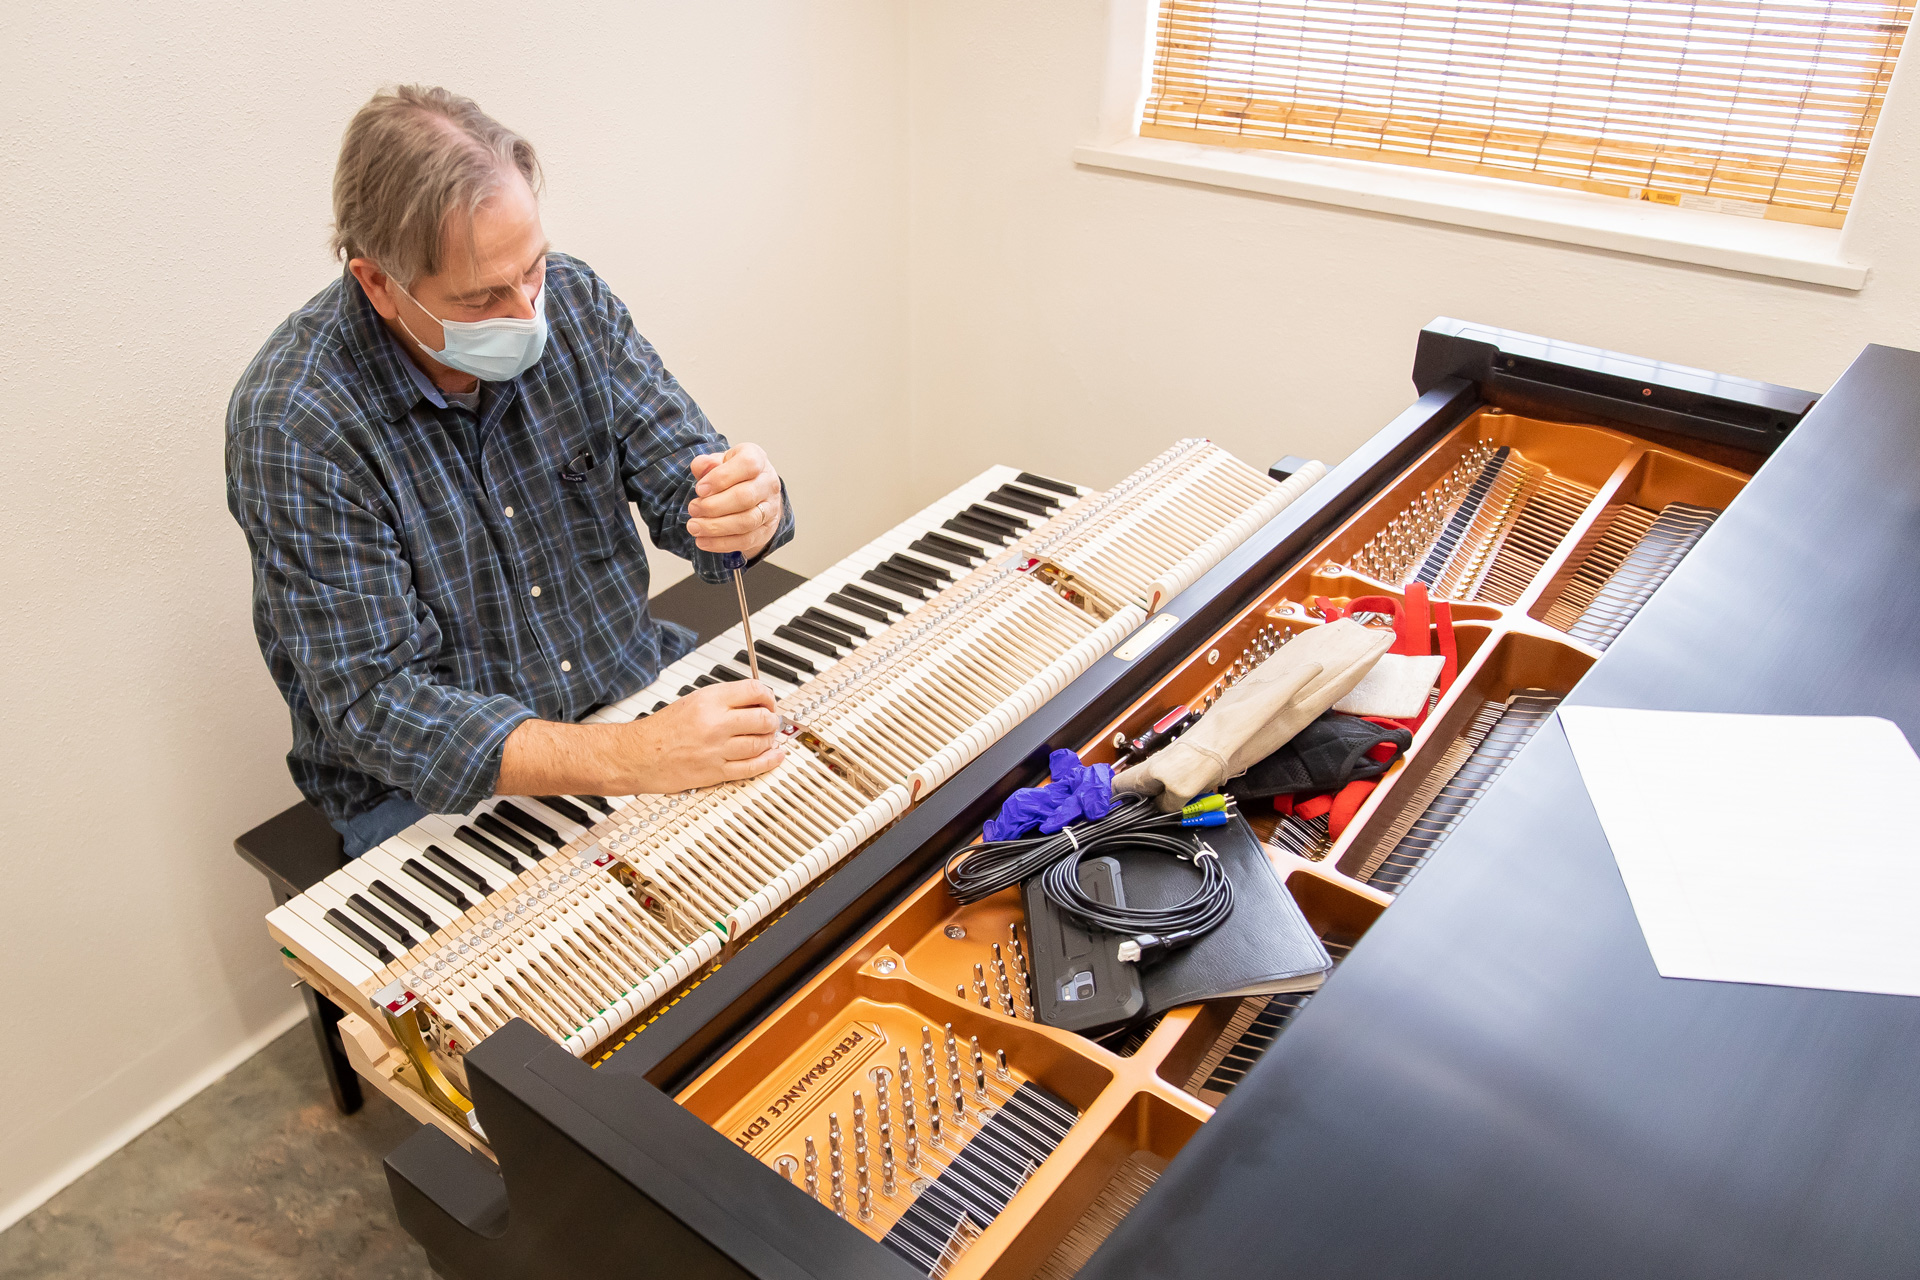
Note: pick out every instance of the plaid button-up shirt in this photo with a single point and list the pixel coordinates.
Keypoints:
(425, 578)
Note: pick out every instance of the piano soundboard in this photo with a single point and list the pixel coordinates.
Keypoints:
(583, 914)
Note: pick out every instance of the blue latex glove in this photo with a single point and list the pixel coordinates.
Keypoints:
(1077, 791)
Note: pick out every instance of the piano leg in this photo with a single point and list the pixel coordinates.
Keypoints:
(323, 1015)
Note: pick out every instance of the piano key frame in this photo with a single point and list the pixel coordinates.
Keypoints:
(593, 1161)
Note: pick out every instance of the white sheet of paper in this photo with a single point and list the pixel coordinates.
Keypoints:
(1771, 849)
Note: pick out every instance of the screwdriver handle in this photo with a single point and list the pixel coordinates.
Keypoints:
(732, 561)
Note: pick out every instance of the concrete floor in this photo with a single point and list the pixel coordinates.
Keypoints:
(257, 1176)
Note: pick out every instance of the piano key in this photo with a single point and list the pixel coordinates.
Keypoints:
(700, 682)
(965, 559)
(834, 621)
(563, 828)
(881, 576)
(855, 606)
(806, 641)
(388, 867)
(998, 516)
(447, 890)
(1041, 482)
(1048, 500)
(660, 706)
(342, 959)
(405, 907)
(381, 921)
(568, 810)
(727, 673)
(786, 657)
(981, 529)
(493, 852)
(825, 635)
(372, 945)
(921, 570)
(768, 667)
(1012, 498)
(459, 870)
(508, 811)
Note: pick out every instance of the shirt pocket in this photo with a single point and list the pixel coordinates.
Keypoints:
(594, 507)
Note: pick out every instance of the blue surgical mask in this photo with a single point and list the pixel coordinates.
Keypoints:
(498, 350)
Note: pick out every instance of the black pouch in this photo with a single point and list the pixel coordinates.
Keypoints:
(1324, 756)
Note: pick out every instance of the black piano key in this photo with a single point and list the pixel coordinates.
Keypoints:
(344, 923)
(382, 921)
(488, 849)
(806, 641)
(401, 903)
(528, 823)
(834, 623)
(1019, 502)
(881, 576)
(600, 802)
(807, 626)
(726, 673)
(1052, 503)
(701, 682)
(1041, 482)
(859, 592)
(977, 529)
(997, 516)
(686, 689)
(768, 649)
(457, 869)
(568, 810)
(657, 708)
(843, 601)
(944, 552)
(954, 545)
(917, 571)
(768, 667)
(420, 871)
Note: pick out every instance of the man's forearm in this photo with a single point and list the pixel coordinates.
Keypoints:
(544, 758)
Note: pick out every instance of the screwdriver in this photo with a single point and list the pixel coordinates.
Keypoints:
(736, 564)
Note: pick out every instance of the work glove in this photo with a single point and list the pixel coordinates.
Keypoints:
(1256, 717)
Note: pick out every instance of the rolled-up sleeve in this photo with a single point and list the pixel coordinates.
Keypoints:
(334, 589)
(661, 431)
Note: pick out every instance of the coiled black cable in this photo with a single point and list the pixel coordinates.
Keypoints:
(981, 870)
(1162, 928)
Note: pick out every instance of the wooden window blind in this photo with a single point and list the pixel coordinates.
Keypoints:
(1758, 107)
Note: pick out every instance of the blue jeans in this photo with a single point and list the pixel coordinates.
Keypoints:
(381, 823)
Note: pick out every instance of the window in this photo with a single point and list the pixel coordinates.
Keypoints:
(1757, 107)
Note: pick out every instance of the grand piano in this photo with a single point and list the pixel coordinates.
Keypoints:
(1494, 1080)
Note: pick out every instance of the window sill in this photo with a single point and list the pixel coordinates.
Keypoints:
(1784, 250)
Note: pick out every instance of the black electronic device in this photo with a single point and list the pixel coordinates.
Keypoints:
(1079, 982)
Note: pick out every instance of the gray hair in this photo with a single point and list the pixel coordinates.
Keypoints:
(412, 159)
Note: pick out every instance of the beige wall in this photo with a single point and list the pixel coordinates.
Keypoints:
(736, 171)
(1080, 319)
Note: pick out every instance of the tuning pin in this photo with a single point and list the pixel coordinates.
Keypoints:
(864, 1189)
(1000, 1071)
(833, 1143)
(813, 1169)
(787, 1167)
(959, 1100)
(953, 1050)
(859, 1127)
(886, 1159)
(960, 989)
(979, 1071)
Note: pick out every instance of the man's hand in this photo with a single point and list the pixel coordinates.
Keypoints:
(736, 504)
(721, 733)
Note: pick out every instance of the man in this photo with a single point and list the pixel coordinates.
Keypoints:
(432, 462)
